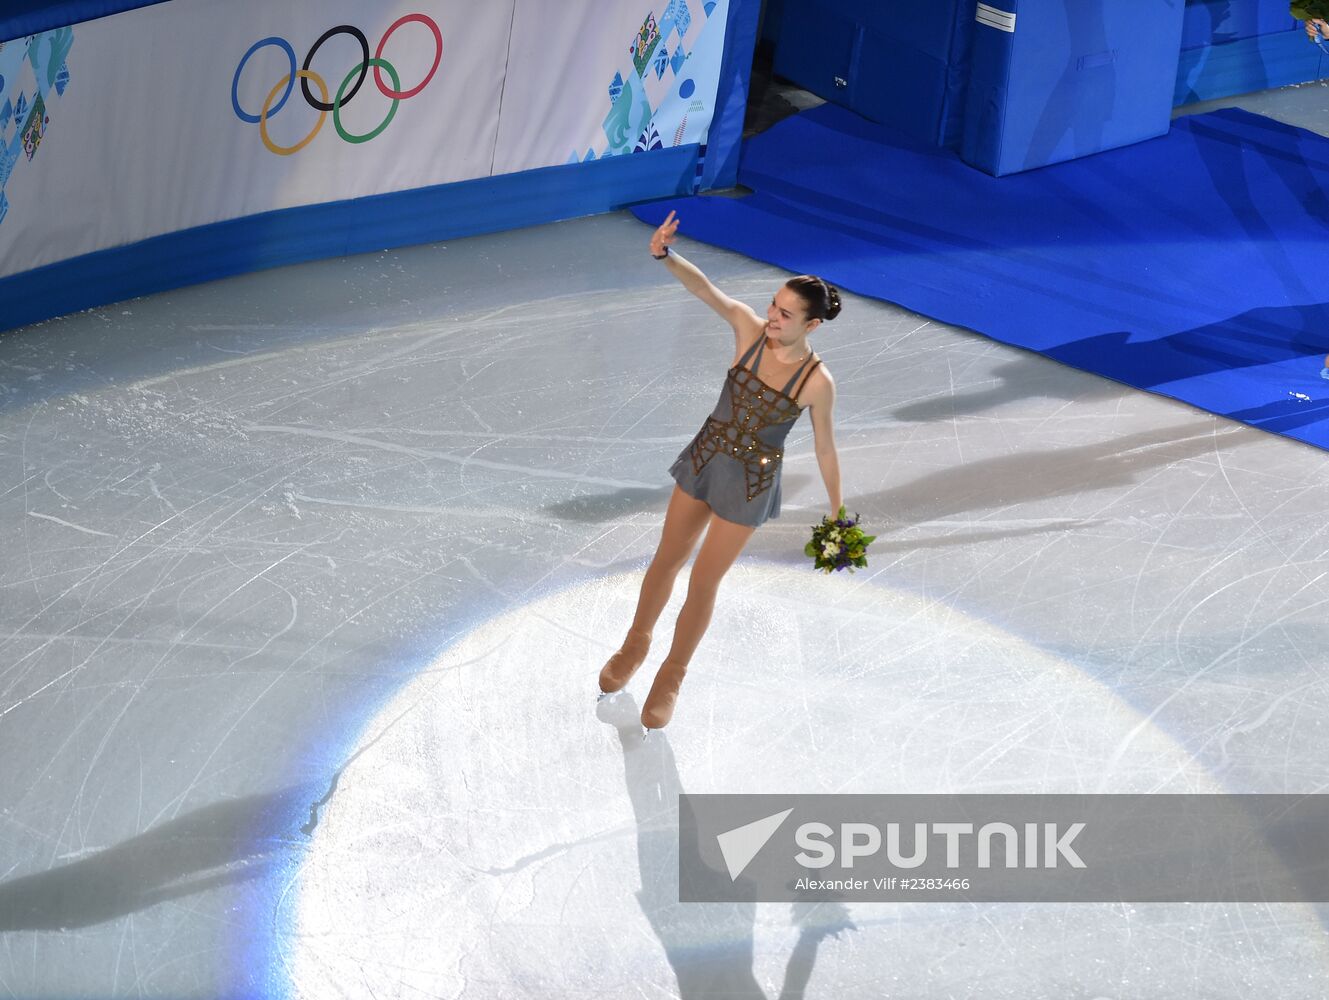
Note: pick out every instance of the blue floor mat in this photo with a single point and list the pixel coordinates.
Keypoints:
(1195, 265)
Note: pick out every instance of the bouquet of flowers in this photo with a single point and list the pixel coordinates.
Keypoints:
(838, 544)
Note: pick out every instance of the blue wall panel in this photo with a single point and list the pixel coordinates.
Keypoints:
(447, 211)
(1070, 79)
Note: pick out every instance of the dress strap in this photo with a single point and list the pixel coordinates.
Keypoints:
(793, 379)
(758, 347)
(794, 394)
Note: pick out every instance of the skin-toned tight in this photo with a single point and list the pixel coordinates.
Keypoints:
(685, 520)
(724, 541)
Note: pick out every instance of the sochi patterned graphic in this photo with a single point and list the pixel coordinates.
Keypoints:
(321, 104)
(33, 74)
(650, 96)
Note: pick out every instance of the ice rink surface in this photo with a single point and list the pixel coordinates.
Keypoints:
(308, 574)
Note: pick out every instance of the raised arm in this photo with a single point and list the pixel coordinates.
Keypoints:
(739, 315)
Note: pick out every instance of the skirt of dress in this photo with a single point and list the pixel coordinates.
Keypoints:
(722, 485)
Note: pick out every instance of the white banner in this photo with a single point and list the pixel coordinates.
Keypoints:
(631, 77)
(198, 111)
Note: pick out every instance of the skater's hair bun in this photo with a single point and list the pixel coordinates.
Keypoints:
(823, 298)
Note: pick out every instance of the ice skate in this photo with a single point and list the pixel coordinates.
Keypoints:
(659, 707)
(624, 663)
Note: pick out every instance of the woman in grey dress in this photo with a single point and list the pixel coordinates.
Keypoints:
(728, 477)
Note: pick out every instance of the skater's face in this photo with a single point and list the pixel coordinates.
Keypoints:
(787, 316)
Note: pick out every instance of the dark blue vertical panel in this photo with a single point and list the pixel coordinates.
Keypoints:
(772, 11)
(899, 86)
(725, 138)
(27, 17)
(814, 48)
(899, 62)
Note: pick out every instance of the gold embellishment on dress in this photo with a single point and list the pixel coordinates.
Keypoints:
(754, 406)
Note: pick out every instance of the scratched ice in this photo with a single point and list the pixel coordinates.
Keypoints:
(307, 576)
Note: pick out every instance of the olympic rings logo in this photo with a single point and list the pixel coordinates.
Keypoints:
(306, 76)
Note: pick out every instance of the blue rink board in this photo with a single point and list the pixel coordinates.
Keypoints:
(1192, 265)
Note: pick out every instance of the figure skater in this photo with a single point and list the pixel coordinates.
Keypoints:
(728, 477)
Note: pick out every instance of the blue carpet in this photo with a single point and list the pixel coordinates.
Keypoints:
(1194, 265)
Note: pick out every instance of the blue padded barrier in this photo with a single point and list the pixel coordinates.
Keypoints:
(1217, 22)
(1053, 82)
(1216, 71)
(1237, 46)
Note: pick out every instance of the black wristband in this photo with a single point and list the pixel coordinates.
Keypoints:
(661, 256)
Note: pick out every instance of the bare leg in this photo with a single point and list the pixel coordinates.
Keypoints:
(684, 522)
(724, 541)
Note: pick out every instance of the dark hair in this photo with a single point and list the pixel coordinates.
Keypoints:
(823, 298)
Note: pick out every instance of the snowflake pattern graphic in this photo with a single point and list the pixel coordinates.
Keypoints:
(648, 140)
(35, 127)
(34, 74)
(679, 17)
(643, 46)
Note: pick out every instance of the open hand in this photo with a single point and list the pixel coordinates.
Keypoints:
(665, 235)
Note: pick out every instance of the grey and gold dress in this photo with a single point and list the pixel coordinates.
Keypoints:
(733, 463)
